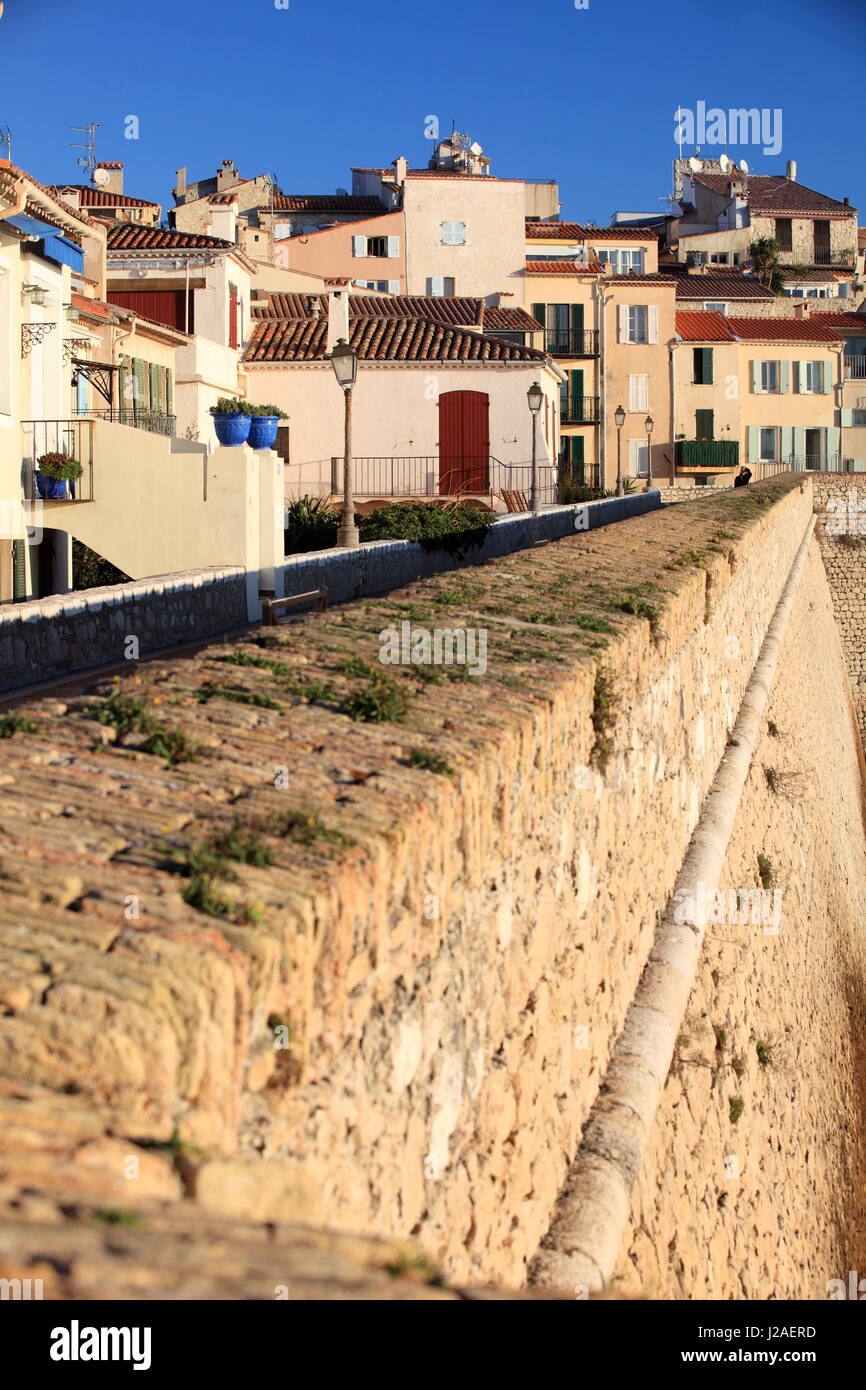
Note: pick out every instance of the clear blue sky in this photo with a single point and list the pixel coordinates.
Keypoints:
(586, 96)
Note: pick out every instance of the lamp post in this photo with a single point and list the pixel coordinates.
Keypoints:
(344, 360)
(648, 426)
(619, 417)
(535, 396)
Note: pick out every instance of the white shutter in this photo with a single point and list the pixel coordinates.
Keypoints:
(436, 285)
(638, 391)
(653, 323)
(393, 286)
(846, 418)
(828, 377)
(623, 323)
(632, 392)
(359, 246)
(393, 246)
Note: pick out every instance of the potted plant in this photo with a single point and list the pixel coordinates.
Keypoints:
(263, 425)
(231, 420)
(55, 471)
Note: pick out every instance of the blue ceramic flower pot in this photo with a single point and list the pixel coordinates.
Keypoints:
(231, 430)
(263, 431)
(50, 489)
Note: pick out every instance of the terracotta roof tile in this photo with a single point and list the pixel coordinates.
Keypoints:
(855, 323)
(703, 327)
(459, 312)
(509, 320)
(100, 197)
(382, 340)
(776, 194)
(129, 236)
(578, 231)
(326, 202)
(718, 284)
(782, 330)
(565, 267)
(95, 307)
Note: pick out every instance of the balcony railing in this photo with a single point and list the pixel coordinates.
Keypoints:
(571, 343)
(154, 421)
(824, 256)
(579, 410)
(711, 454)
(74, 438)
(855, 368)
(798, 463)
(425, 477)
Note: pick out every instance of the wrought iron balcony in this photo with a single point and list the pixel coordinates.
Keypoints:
(855, 368)
(580, 410)
(137, 417)
(713, 455)
(571, 343)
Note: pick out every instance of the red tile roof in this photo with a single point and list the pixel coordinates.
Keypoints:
(853, 323)
(382, 340)
(509, 320)
(578, 231)
(696, 326)
(325, 202)
(782, 330)
(718, 284)
(223, 199)
(459, 312)
(94, 307)
(100, 197)
(776, 194)
(110, 164)
(566, 267)
(129, 236)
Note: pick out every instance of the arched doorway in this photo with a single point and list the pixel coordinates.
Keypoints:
(464, 441)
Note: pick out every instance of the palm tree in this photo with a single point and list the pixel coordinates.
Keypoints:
(764, 255)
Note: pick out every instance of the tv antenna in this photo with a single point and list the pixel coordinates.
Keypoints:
(6, 139)
(87, 161)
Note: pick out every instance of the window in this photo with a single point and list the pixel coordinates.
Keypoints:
(716, 306)
(453, 233)
(768, 446)
(375, 246)
(783, 233)
(637, 458)
(719, 257)
(812, 376)
(637, 324)
(386, 286)
(704, 424)
(623, 261)
(769, 376)
(638, 391)
(858, 418)
(702, 366)
(441, 286)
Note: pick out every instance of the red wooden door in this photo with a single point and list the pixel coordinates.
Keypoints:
(233, 317)
(464, 441)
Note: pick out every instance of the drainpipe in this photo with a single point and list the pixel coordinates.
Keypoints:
(600, 371)
(840, 353)
(585, 1239)
(671, 350)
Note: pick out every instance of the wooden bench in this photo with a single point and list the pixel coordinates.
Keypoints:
(515, 501)
(273, 608)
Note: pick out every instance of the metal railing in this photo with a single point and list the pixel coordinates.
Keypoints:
(74, 438)
(855, 368)
(707, 453)
(427, 476)
(137, 417)
(571, 343)
(824, 256)
(579, 410)
(799, 463)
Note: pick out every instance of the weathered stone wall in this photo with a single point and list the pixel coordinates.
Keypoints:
(54, 636)
(772, 1203)
(840, 501)
(453, 971)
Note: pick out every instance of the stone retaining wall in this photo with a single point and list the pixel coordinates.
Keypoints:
(66, 633)
(840, 502)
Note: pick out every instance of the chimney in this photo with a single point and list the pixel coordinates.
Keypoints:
(111, 179)
(802, 309)
(338, 311)
(400, 167)
(223, 220)
(791, 170)
(180, 186)
(227, 176)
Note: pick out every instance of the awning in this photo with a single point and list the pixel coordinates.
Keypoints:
(54, 246)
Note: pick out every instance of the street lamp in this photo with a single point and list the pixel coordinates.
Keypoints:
(535, 396)
(344, 360)
(619, 417)
(648, 426)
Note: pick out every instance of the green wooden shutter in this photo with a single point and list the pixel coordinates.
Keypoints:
(120, 402)
(800, 445)
(538, 312)
(153, 373)
(139, 371)
(785, 378)
(19, 571)
(576, 395)
(828, 377)
(832, 444)
(756, 378)
(707, 367)
(703, 424)
(787, 443)
(846, 418)
(754, 444)
(169, 391)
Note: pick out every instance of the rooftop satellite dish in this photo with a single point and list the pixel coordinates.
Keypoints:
(101, 177)
(725, 164)
(744, 168)
(696, 165)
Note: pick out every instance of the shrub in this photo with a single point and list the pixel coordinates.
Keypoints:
(11, 724)
(456, 527)
(61, 467)
(230, 405)
(311, 524)
(266, 410)
(91, 571)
